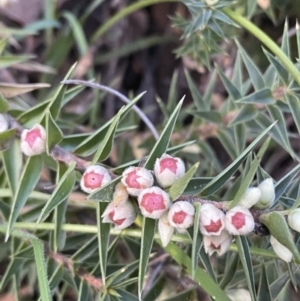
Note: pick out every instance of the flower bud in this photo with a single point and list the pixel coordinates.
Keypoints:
(294, 219)
(239, 295)
(121, 215)
(212, 220)
(4, 125)
(250, 197)
(168, 169)
(239, 221)
(94, 177)
(120, 194)
(219, 243)
(181, 215)
(33, 141)
(281, 251)
(165, 229)
(136, 179)
(267, 194)
(153, 202)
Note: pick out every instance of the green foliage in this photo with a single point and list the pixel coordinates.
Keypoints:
(74, 251)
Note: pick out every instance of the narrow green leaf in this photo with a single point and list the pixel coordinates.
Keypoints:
(225, 137)
(30, 176)
(11, 269)
(61, 192)
(263, 96)
(148, 231)
(86, 250)
(211, 116)
(10, 90)
(162, 143)
(54, 133)
(103, 239)
(255, 75)
(197, 98)
(180, 185)
(197, 240)
(201, 277)
(12, 161)
(118, 277)
(264, 293)
(230, 270)
(294, 105)
(172, 96)
(285, 45)
(279, 285)
(3, 43)
(240, 135)
(107, 143)
(3, 104)
(6, 138)
(245, 257)
(195, 185)
(219, 180)
(10, 60)
(247, 112)
(105, 193)
(249, 176)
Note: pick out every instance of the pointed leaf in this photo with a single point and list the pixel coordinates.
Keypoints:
(105, 193)
(247, 112)
(210, 116)
(4, 106)
(9, 90)
(61, 192)
(219, 180)
(180, 185)
(162, 143)
(195, 185)
(6, 138)
(294, 105)
(230, 270)
(30, 176)
(245, 257)
(54, 133)
(148, 231)
(107, 143)
(263, 96)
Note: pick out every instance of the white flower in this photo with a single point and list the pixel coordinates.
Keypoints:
(181, 215)
(153, 202)
(212, 220)
(267, 194)
(94, 177)
(239, 221)
(122, 215)
(281, 251)
(3, 123)
(294, 219)
(136, 179)
(165, 229)
(219, 244)
(33, 141)
(239, 295)
(251, 196)
(168, 169)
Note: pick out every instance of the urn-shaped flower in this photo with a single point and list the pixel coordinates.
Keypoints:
(181, 215)
(239, 221)
(94, 177)
(282, 252)
(168, 169)
(153, 202)
(165, 229)
(212, 220)
(217, 243)
(251, 196)
(267, 194)
(294, 219)
(33, 141)
(136, 179)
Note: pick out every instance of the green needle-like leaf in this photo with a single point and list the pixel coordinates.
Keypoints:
(54, 133)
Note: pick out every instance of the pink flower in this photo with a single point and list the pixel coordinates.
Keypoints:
(181, 215)
(153, 202)
(219, 244)
(168, 169)
(239, 221)
(33, 141)
(165, 229)
(94, 177)
(136, 179)
(212, 220)
(121, 215)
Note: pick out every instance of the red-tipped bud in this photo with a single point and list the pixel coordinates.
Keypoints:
(4, 125)
(239, 221)
(282, 252)
(219, 243)
(94, 177)
(121, 215)
(153, 202)
(165, 229)
(168, 169)
(212, 220)
(136, 179)
(181, 215)
(33, 141)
